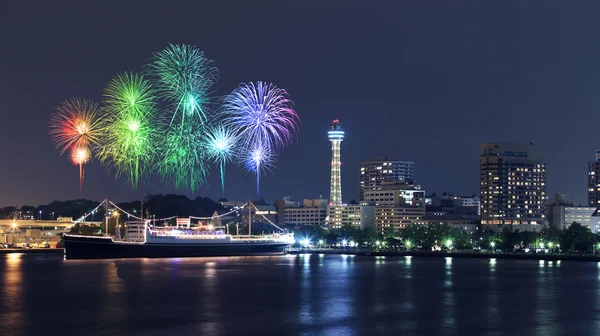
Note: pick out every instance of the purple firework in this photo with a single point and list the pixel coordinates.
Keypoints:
(258, 158)
(261, 113)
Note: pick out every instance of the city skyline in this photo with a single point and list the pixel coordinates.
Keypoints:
(437, 94)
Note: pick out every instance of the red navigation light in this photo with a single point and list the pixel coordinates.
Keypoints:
(335, 121)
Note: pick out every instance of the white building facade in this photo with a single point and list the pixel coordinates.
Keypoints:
(356, 216)
(305, 216)
(563, 216)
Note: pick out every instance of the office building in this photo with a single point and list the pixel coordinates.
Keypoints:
(312, 213)
(513, 184)
(355, 216)
(394, 218)
(594, 182)
(397, 204)
(290, 202)
(374, 173)
(563, 216)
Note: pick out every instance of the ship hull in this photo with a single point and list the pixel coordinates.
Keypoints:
(104, 248)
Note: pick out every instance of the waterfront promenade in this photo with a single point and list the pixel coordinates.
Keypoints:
(458, 254)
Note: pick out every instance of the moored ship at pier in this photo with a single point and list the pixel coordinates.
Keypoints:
(143, 242)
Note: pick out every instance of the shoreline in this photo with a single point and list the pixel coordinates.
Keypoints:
(426, 254)
(33, 250)
(432, 254)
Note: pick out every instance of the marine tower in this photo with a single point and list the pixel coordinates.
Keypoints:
(336, 136)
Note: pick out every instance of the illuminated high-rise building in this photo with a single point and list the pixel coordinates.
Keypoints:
(374, 174)
(336, 136)
(513, 184)
(594, 181)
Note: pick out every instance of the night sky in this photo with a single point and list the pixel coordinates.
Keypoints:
(425, 81)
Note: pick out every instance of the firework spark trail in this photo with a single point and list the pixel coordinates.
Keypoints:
(184, 157)
(258, 159)
(79, 157)
(76, 126)
(184, 77)
(130, 134)
(222, 147)
(262, 113)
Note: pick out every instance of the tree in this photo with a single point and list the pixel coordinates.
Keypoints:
(577, 238)
(7, 212)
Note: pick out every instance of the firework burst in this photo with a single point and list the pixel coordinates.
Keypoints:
(221, 147)
(184, 77)
(76, 126)
(130, 133)
(261, 113)
(258, 159)
(75, 123)
(184, 157)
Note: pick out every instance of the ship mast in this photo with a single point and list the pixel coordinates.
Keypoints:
(106, 215)
(249, 219)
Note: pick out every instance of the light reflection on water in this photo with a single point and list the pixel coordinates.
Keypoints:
(449, 321)
(304, 294)
(11, 317)
(492, 302)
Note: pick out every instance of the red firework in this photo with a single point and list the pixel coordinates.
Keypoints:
(75, 127)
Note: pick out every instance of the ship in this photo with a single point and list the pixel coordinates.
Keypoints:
(144, 241)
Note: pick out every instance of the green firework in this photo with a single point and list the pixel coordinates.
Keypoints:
(130, 134)
(184, 157)
(184, 77)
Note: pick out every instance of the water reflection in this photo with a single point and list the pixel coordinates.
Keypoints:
(545, 299)
(11, 305)
(449, 321)
(210, 301)
(114, 290)
(492, 300)
(337, 296)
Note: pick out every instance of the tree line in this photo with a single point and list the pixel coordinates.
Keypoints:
(159, 205)
(576, 238)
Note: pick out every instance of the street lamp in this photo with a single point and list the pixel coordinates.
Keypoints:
(320, 242)
(344, 243)
(407, 245)
(449, 243)
(40, 215)
(493, 244)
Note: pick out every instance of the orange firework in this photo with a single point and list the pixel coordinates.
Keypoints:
(79, 157)
(76, 123)
(75, 127)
